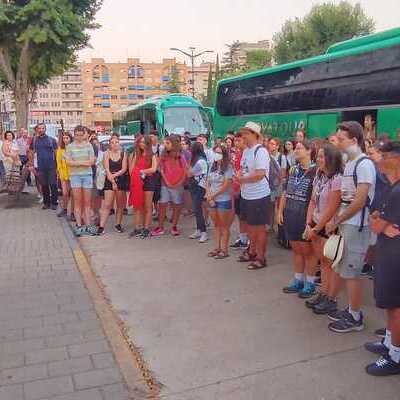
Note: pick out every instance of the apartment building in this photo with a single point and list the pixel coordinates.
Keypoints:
(201, 73)
(109, 87)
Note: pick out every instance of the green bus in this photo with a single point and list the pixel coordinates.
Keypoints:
(352, 80)
(167, 114)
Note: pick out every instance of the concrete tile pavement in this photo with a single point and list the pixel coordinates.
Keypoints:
(213, 330)
(52, 346)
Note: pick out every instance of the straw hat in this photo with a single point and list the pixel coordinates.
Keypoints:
(253, 127)
(333, 249)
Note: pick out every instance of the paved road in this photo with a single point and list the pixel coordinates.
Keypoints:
(52, 346)
(213, 330)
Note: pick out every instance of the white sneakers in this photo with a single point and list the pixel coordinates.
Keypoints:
(195, 235)
(202, 236)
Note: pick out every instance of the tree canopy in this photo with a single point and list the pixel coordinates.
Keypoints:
(323, 26)
(38, 40)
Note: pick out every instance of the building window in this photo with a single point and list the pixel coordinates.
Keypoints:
(135, 71)
(101, 74)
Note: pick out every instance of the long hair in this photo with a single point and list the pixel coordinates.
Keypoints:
(285, 152)
(147, 153)
(197, 153)
(333, 160)
(310, 146)
(62, 144)
(175, 152)
(225, 159)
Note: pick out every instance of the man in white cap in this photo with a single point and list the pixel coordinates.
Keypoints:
(255, 193)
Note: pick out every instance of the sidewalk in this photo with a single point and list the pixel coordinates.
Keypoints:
(52, 346)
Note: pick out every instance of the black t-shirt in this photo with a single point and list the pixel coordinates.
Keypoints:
(390, 210)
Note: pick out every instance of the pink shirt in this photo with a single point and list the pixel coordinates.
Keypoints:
(322, 188)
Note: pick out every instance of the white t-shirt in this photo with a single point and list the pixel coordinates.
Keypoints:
(366, 173)
(281, 160)
(200, 169)
(249, 163)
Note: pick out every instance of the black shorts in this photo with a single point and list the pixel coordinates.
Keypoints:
(256, 212)
(294, 221)
(236, 204)
(387, 276)
(150, 183)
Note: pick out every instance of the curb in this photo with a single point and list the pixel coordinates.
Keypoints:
(140, 385)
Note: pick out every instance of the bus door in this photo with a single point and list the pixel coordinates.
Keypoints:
(322, 125)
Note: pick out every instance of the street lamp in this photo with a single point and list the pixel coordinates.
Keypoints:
(192, 57)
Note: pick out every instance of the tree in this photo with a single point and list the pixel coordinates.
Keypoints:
(39, 40)
(257, 59)
(210, 88)
(230, 58)
(323, 26)
(174, 83)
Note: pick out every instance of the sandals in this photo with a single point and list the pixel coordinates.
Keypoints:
(221, 255)
(214, 253)
(247, 257)
(257, 264)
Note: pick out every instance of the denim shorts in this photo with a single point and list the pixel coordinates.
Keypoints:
(222, 205)
(172, 195)
(81, 181)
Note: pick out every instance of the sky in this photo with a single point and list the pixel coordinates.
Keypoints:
(147, 29)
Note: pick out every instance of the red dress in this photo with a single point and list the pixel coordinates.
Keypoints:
(136, 192)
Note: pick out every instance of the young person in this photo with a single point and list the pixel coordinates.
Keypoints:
(219, 198)
(357, 193)
(63, 173)
(197, 174)
(80, 157)
(292, 214)
(173, 168)
(187, 154)
(289, 153)
(324, 204)
(143, 166)
(242, 241)
(115, 162)
(386, 224)
(24, 142)
(300, 136)
(256, 195)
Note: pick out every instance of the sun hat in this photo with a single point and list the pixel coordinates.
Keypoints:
(333, 249)
(253, 127)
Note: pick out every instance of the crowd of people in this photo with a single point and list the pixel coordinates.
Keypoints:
(341, 192)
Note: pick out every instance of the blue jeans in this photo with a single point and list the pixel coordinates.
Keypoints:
(198, 194)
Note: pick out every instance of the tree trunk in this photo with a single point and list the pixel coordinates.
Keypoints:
(21, 108)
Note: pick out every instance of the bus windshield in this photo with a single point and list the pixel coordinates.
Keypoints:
(178, 120)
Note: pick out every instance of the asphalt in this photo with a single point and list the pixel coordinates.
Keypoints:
(212, 329)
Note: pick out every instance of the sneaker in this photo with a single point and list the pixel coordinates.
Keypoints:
(62, 213)
(158, 232)
(203, 237)
(78, 231)
(195, 235)
(145, 234)
(136, 233)
(377, 348)
(238, 245)
(91, 230)
(347, 324)
(384, 366)
(119, 228)
(307, 291)
(328, 305)
(174, 231)
(100, 230)
(294, 287)
(380, 333)
(317, 299)
(337, 315)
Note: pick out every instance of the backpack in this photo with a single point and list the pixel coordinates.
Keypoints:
(274, 177)
(355, 180)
